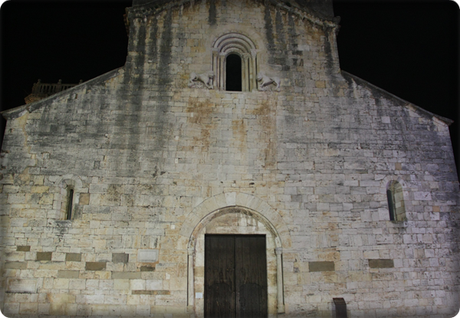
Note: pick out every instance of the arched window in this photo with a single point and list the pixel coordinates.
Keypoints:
(234, 62)
(395, 197)
(233, 73)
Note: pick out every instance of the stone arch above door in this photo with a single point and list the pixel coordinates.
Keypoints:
(258, 208)
(244, 214)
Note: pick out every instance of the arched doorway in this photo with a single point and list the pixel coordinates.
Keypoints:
(235, 225)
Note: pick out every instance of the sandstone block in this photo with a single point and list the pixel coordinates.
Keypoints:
(68, 274)
(381, 263)
(120, 258)
(95, 266)
(321, 266)
(73, 257)
(44, 256)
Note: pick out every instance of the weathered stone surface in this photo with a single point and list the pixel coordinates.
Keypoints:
(120, 258)
(147, 268)
(156, 164)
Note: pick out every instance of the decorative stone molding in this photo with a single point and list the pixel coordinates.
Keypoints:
(244, 47)
(218, 207)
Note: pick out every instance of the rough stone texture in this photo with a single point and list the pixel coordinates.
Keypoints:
(155, 164)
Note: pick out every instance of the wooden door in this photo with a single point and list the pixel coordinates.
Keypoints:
(235, 276)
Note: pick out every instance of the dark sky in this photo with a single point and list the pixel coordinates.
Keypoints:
(410, 49)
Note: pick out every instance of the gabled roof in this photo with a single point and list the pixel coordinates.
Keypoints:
(19, 111)
(377, 90)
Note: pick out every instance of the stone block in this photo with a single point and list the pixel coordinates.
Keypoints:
(22, 285)
(381, 263)
(126, 275)
(147, 268)
(44, 256)
(23, 248)
(148, 256)
(95, 266)
(15, 265)
(325, 266)
(120, 258)
(68, 274)
(84, 198)
(73, 257)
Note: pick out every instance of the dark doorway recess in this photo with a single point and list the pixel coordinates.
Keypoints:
(235, 283)
(233, 73)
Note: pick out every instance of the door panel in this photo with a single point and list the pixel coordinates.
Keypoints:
(219, 276)
(251, 276)
(235, 276)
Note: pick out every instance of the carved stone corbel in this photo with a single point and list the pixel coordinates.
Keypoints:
(202, 80)
(265, 82)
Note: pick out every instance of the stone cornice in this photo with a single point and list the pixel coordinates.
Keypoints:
(154, 7)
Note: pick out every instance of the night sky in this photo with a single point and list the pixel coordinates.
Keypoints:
(409, 49)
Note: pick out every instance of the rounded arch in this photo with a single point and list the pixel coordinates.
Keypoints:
(243, 205)
(240, 44)
(232, 41)
(233, 209)
(396, 195)
(259, 208)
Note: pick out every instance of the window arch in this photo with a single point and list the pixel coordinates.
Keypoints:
(234, 46)
(396, 206)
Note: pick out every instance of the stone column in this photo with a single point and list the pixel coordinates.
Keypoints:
(279, 279)
(222, 71)
(190, 280)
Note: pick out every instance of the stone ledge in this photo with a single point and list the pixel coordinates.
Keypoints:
(151, 292)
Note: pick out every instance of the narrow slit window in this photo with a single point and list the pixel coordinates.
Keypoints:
(391, 207)
(69, 206)
(233, 73)
(396, 206)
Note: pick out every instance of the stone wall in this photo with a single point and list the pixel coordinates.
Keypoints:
(150, 158)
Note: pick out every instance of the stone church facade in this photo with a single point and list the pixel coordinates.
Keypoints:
(229, 165)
